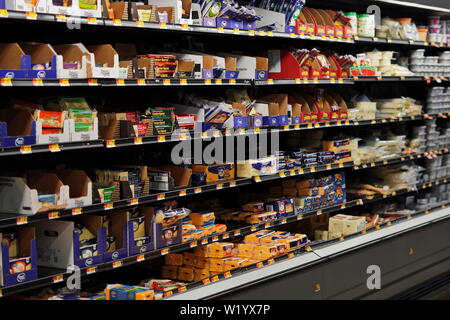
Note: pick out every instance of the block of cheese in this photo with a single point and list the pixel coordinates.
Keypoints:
(201, 251)
(201, 263)
(257, 167)
(233, 263)
(216, 264)
(220, 228)
(257, 236)
(174, 259)
(261, 217)
(334, 235)
(245, 250)
(200, 274)
(336, 223)
(169, 272)
(189, 259)
(353, 225)
(202, 219)
(220, 249)
(208, 230)
(320, 235)
(253, 206)
(265, 251)
(250, 262)
(186, 274)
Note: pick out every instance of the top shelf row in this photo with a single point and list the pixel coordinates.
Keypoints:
(305, 23)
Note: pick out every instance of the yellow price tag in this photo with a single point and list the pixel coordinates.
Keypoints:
(54, 147)
(31, 15)
(134, 202)
(120, 82)
(219, 186)
(182, 193)
(64, 82)
(166, 82)
(182, 289)
(184, 27)
(77, 211)
(236, 31)
(140, 258)
(37, 82)
(161, 138)
(251, 32)
(232, 81)
(110, 143)
(260, 265)
(21, 220)
(163, 25)
(165, 251)
(117, 22)
(207, 81)
(270, 81)
(218, 81)
(282, 175)
(58, 278)
(227, 274)
(61, 18)
(183, 82)
(92, 82)
(92, 20)
(6, 82)
(193, 244)
(138, 140)
(161, 196)
(108, 206)
(91, 270)
(139, 23)
(204, 241)
(262, 33)
(3, 14)
(117, 264)
(215, 279)
(53, 215)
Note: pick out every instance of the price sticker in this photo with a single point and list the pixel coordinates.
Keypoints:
(165, 251)
(168, 293)
(3, 14)
(269, 81)
(37, 82)
(225, 236)
(299, 217)
(282, 175)
(237, 233)
(215, 239)
(232, 81)
(91, 270)
(161, 196)
(267, 225)
(219, 186)
(117, 264)
(163, 25)
(206, 281)
(161, 138)
(92, 82)
(6, 82)
(260, 265)
(58, 278)
(77, 211)
(341, 239)
(64, 82)
(54, 147)
(215, 279)
(207, 81)
(204, 241)
(290, 255)
(283, 221)
(117, 22)
(108, 206)
(227, 274)
(182, 193)
(258, 179)
(251, 32)
(182, 289)
(262, 33)
(92, 20)
(138, 140)
(185, 27)
(53, 215)
(134, 202)
(197, 190)
(110, 143)
(166, 82)
(139, 23)
(21, 220)
(61, 18)
(193, 244)
(318, 212)
(236, 31)
(30, 15)
(232, 184)
(120, 82)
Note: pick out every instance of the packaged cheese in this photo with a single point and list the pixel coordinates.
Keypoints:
(169, 272)
(245, 250)
(186, 274)
(189, 259)
(200, 274)
(220, 250)
(216, 264)
(202, 219)
(233, 263)
(174, 259)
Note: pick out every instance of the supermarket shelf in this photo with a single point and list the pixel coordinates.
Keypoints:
(306, 256)
(416, 5)
(10, 220)
(164, 27)
(58, 147)
(126, 142)
(59, 275)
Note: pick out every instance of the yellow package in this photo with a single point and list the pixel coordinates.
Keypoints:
(189, 259)
(264, 252)
(249, 262)
(220, 249)
(220, 228)
(262, 217)
(169, 272)
(245, 250)
(208, 230)
(200, 274)
(216, 172)
(257, 236)
(174, 259)
(282, 248)
(216, 264)
(187, 238)
(186, 274)
(201, 263)
(202, 219)
(233, 263)
(201, 251)
(254, 206)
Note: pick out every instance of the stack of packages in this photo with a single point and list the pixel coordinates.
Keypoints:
(163, 119)
(152, 66)
(341, 225)
(140, 125)
(220, 257)
(382, 61)
(77, 109)
(252, 213)
(199, 225)
(121, 183)
(387, 144)
(362, 108)
(313, 194)
(396, 108)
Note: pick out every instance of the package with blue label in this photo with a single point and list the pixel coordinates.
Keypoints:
(166, 224)
(216, 172)
(124, 292)
(115, 236)
(279, 102)
(257, 167)
(203, 219)
(18, 256)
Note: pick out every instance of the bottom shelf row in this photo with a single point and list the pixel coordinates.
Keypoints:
(178, 273)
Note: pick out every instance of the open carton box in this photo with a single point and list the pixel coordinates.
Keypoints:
(17, 128)
(282, 101)
(83, 135)
(163, 236)
(69, 53)
(58, 244)
(283, 65)
(143, 225)
(204, 64)
(52, 137)
(26, 248)
(269, 111)
(116, 225)
(308, 114)
(20, 194)
(165, 178)
(176, 6)
(14, 63)
(230, 67)
(55, 7)
(270, 18)
(80, 187)
(24, 5)
(250, 67)
(41, 53)
(105, 55)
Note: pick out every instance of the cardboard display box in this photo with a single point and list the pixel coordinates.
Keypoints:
(115, 227)
(80, 187)
(164, 236)
(104, 62)
(41, 55)
(69, 53)
(58, 245)
(20, 194)
(22, 265)
(82, 135)
(52, 137)
(165, 178)
(14, 63)
(140, 237)
(23, 5)
(17, 128)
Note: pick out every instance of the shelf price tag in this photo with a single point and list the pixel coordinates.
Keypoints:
(31, 15)
(182, 193)
(161, 138)
(319, 212)
(237, 233)
(120, 82)
(182, 289)
(3, 14)
(77, 211)
(197, 190)
(206, 281)
(215, 279)
(61, 18)
(262, 33)
(253, 228)
(108, 206)
(165, 251)
(140, 23)
(25, 149)
(269, 81)
(282, 175)
(260, 265)
(163, 25)
(58, 278)
(140, 258)
(161, 196)
(138, 140)
(225, 236)
(117, 22)
(215, 238)
(204, 241)
(258, 179)
(193, 244)
(92, 82)
(21, 220)
(134, 202)
(227, 274)
(218, 81)
(283, 221)
(117, 264)
(37, 82)
(219, 186)
(141, 82)
(236, 31)
(54, 147)
(91, 270)
(6, 82)
(166, 82)
(300, 217)
(290, 255)
(53, 215)
(185, 27)
(92, 20)
(110, 143)
(251, 32)
(267, 225)
(168, 293)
